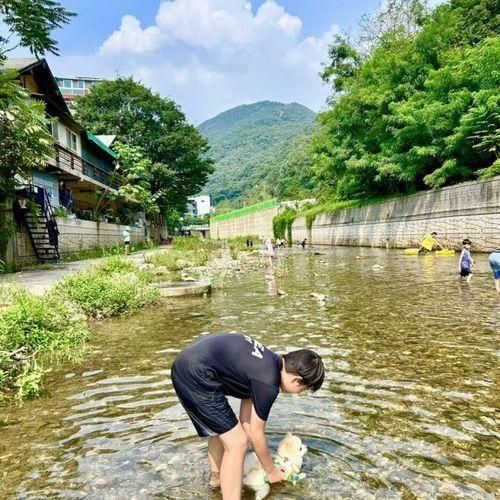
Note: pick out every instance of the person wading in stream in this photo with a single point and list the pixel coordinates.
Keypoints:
(230, 364)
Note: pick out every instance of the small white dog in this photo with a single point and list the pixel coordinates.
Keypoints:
(289, 458)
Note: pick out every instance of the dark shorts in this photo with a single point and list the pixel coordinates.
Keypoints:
(464, 272)
(203, 398)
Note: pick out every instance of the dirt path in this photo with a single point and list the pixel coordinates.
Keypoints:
(39, 281)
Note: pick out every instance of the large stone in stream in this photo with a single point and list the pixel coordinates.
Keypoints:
(183, 288)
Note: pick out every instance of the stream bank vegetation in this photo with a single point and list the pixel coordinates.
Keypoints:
(414, 102)
(282, 222)
(37, 333)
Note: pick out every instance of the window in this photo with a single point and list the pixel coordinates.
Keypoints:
(67, 84)
(77, 92)
(79, 84)
(54, 130)
(71, 140)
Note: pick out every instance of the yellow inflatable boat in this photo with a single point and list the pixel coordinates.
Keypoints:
(414, 251)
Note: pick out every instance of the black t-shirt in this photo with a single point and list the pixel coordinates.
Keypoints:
(244, 367)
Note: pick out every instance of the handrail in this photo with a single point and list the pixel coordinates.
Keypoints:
(52, 229)
(51, 224)
(72, 161)
(110, 179)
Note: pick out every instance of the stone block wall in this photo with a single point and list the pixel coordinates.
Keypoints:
(470, 210)
(256, 224)
(74, 236)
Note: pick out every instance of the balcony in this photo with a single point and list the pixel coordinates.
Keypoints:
(68, 161)
(100, 175)
(71, 163)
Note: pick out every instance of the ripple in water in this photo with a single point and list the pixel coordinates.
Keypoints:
(408, 408)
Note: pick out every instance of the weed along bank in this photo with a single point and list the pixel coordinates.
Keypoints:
(39, 328)
(71, 205)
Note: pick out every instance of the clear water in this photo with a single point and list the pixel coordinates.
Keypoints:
(408, 409)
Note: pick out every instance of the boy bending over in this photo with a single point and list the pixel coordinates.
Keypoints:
(228, 364)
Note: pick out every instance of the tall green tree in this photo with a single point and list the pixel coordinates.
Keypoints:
(140, 117)
(32, 22)
(136, 175)
(420, 110)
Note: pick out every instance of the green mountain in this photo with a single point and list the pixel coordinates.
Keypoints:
(253, 146)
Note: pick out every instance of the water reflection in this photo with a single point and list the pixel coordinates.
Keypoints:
(408, 409)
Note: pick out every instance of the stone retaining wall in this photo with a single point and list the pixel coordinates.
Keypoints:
(253, 224)
(74, 236)
(470, 210)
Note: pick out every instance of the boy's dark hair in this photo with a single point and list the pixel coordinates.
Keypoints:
(466, 242)
(433, 233)
(307, 365)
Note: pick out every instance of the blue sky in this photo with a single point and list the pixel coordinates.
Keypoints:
(208, 55)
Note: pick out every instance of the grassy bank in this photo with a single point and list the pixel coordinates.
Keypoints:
(194, 255)
(95, 253)
(36, 332)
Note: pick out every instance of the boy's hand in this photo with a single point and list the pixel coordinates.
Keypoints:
(276, 475)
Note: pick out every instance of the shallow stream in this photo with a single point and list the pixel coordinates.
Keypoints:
(409, 408)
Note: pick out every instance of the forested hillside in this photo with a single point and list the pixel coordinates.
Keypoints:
(417, 107)
(257, 150)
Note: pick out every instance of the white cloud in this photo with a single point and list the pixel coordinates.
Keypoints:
(132, 38)
(209, 55)
(204, 23)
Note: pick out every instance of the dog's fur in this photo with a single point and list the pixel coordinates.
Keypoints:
(290, 455)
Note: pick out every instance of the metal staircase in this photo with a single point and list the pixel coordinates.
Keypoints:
(40, 222)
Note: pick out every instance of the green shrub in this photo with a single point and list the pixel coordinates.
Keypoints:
(233, 251)
(32, 328)
(240, 242)
(176, 260)
(194, 243)
(113, 288)
(282, 224)
(100, 252)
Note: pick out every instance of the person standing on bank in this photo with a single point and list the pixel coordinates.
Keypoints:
(126, 239)
(230, 364)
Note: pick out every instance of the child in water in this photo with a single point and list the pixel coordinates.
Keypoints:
(494, 260)
(230, 364)
(466, 263)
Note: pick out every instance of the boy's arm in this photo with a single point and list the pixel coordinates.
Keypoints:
(254, 427)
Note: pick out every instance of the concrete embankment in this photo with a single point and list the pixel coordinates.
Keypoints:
(471, 209)
(256, 220)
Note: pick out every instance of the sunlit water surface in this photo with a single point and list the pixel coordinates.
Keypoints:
(407, 409)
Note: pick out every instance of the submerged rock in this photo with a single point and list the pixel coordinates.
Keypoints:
(318, 296)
